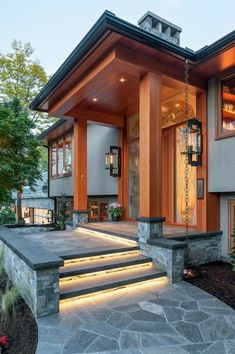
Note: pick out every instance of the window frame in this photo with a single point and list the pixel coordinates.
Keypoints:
(219, 109)
(55, 145)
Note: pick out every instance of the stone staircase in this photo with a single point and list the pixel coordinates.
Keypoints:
(105, 269)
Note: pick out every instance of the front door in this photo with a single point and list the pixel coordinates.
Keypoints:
(174, 179)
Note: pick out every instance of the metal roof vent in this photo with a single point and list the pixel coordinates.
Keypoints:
(160, 27)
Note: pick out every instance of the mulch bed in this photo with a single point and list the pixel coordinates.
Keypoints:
(20, 327)
(218, 279)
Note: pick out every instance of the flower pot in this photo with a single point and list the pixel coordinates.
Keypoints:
(115, 218)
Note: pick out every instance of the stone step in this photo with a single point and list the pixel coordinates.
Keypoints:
(117, 234)
(91, 252)
(98, 264)
(83, 285)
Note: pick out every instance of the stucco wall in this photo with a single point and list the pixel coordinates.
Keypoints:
(99, 139)
(221, 159)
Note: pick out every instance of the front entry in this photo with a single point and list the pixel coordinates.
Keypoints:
(174, 180)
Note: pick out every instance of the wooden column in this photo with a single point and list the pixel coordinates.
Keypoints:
(80, 165)
(208, 208)
(150, 163)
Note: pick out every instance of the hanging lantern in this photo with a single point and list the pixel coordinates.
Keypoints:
(191, 142)
(113, 161)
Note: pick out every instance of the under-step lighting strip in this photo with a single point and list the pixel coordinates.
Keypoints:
(104, 235)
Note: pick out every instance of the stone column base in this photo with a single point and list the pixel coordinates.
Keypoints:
(150, 228)
(80, 217)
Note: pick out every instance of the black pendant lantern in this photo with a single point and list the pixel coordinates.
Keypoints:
(191, 141)
(113, 161)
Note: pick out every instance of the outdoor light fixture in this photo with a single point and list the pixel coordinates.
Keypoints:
(191, 142)
(113, 161)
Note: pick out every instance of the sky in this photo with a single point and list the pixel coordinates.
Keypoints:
(55, 27)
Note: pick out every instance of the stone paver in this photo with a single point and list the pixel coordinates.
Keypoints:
(146, 319)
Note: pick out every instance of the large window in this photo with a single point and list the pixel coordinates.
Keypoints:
(61, 157)
(226, 121)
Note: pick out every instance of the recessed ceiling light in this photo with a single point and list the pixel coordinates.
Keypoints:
(177, 105)
(122, 79)
(94, 99)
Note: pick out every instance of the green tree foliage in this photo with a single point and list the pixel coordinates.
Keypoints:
(7, 215)
(19, 149)
(232, 255)
(62, 214)
(22, 77)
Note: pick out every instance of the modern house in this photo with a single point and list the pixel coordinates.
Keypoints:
(101, 189)
(124, 86)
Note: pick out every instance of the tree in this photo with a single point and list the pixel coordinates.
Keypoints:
(19, 151)
(22, 77)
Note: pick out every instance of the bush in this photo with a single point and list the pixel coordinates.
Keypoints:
(7, 215)
(232, 254)
(62, 214)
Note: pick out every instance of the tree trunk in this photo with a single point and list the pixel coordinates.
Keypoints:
(19, 208)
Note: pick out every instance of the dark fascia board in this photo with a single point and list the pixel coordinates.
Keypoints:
(108, 21)
(44, 134)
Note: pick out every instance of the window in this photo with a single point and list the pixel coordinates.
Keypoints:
(61, 157)
(231, 224)
(226, 126)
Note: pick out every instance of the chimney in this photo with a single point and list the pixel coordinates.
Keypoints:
(161, 28)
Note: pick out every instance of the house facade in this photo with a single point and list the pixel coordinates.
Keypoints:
(131, 80)
(101, 189)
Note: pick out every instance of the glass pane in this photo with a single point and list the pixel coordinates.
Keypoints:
(60, 156)
(228, 106)
(68, 154)
(133, 172)
(180, 186)
(53, 160)
(133, 127)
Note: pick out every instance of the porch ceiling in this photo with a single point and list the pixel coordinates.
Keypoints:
(110, 91)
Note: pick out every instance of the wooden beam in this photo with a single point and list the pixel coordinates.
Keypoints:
(80, 165)
(150, 146)
(208, 208)
(70, 98)
(96, 117)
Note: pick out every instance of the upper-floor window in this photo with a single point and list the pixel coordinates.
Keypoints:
(61, 157)
(226, 126)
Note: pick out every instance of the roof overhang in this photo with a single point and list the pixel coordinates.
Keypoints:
(110, 31)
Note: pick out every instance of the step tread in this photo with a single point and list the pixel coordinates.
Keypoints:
(85, 285)
(116, 261)
(82, 253)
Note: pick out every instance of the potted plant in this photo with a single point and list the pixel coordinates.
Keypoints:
(115, 210)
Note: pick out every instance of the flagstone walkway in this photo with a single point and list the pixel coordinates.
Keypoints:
(155, 318)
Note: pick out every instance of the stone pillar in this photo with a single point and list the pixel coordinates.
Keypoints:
(80, 217)
(150, 221)
(80, 212)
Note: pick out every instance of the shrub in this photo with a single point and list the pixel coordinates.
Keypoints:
(7, 215)
(62, 214)
(232, 254)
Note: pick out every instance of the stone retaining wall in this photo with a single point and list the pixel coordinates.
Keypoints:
(34, 270)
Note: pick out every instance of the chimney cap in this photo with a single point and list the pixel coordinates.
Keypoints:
(159, 19)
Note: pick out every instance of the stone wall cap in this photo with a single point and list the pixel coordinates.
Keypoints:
(167, 243)
(151, 220)
(37, 257)
(197, 235)
(80, 212)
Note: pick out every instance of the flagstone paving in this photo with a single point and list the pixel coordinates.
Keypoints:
(146, 319)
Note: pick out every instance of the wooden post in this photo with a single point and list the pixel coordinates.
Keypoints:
(150, 147)
(80, 165)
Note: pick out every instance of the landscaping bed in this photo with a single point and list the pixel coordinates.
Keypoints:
(19, 326)
(218, 279)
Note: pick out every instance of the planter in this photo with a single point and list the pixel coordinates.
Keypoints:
(115, 218)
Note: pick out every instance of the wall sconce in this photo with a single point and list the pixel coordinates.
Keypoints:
(192, 148)
(113, 161)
